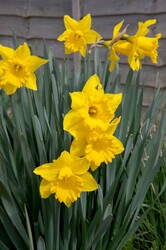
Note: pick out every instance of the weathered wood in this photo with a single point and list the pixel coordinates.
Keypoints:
(148, 75)
(10, 23)
(16, 7)
(49, 8)
(41, 8)
(121, 7)
(49, 28)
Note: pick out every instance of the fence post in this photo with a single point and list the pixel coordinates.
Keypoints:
(76, 15)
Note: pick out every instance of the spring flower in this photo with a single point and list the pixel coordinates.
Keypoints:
(91, 108)
(138, 46)
(67, 177)
(17, 68)
(78, 35)
(98, 146)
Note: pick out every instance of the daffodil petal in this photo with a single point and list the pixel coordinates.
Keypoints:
(45, 188)
(23, 52)
(83, 50)
(34, 62)
(70, 23)
(79, 100)
(31, 82)
(79, 165)
(6, 52)
(47, 171)
(113, 58)
(74, 124)
(85, 23)
(89, 183)
(92, 36)
(62, 37)
(10, 89)
(92, 85)
(117, 28)
(77, 147)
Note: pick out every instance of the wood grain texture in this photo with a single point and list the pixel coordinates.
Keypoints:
(41, 8)
(121, 7)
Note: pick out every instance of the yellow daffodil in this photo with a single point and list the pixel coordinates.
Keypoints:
(91, 108)
(67, 177)
(78, 34)
(17, 68)
(138, 46)
(98, 146)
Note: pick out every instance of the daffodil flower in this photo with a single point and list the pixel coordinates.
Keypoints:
(91, 108)
(78, 34)
(66, 177)
(98, 146)
(17, 68)
(138, 46)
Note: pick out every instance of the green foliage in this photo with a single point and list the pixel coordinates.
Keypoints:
(31, 133)
(152, 233)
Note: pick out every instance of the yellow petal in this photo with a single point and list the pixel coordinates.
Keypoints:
(85, 23)
(10, 89)
(113, 125)
(134, 61)
(82, 50)
(31, 83)
(124, 47)
(114, 100)
(62, 37)
(76, 164)
(117, 28)
(48, 171)
(74, 124)
(6, 52)
(70, 23)
(113, 58)
(93, 166)
(92, 36)
(142, 27)
(92, 85)
(150, 22)
(34, 62)
(77, 147)
(63, 160)
(79, 100)
(68, 51)
(79, 165)
(22, 52)
(45, 188)
(89, 183)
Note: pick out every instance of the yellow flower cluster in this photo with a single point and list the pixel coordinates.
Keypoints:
(92, 124)
(135, 47)
(91, 120)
